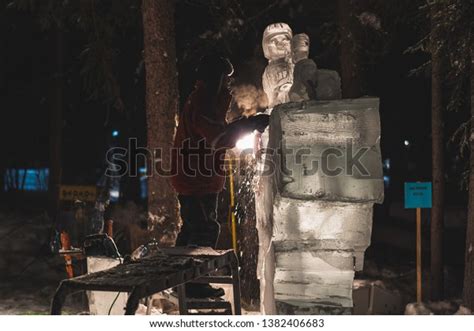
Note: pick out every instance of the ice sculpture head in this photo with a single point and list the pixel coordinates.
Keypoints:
(276, 41)
(299, 47)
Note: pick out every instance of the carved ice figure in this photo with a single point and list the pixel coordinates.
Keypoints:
(305, 73)
(278, 76)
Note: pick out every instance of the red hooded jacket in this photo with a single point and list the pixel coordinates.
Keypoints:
(198, 157)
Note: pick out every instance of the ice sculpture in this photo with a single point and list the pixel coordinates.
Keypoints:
(305, 73)
(278, 76)
(320, 174)
(290, 74)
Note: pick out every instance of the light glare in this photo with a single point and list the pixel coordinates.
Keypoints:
(246, 142)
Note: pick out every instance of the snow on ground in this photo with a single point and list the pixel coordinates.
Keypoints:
(29, 275)
(33, 297)
(436, 308)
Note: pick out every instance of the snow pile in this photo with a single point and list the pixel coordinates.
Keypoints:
(437, 308)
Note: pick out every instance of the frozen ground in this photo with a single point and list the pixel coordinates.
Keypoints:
(30, 297)
(29, 273)
(29, 276)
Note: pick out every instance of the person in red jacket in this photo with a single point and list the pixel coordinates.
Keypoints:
(201, 140)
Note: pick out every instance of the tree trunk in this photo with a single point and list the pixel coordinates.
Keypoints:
(161, 109)
(349, 30)
(56, 124)
(2, 178)
(437, 145)
(468, 293)
(3, 87)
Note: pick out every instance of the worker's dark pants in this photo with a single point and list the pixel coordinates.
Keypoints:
(199, 215)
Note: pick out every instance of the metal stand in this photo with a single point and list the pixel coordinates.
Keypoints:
(171, 267)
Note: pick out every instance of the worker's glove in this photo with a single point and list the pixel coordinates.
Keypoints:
(241, 127)
(259, 122)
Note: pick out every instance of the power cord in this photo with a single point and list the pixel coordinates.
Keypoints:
(121, 262)
(113, 302)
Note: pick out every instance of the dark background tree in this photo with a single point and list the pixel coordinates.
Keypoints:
(56, 124)
(161, 110)
(468, 294)
(438, 143)
(349, 31)
(450, 46)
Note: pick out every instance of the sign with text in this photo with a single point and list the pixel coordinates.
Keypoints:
(418, 195)
(75, 192)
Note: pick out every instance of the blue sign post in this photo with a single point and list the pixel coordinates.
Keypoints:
(418, 195)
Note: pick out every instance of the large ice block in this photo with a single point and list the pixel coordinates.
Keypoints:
(328, 150)
(314, 225)
(321, 260)
(320, 276)
(295, 307)
(324, 224)
(316, 293)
